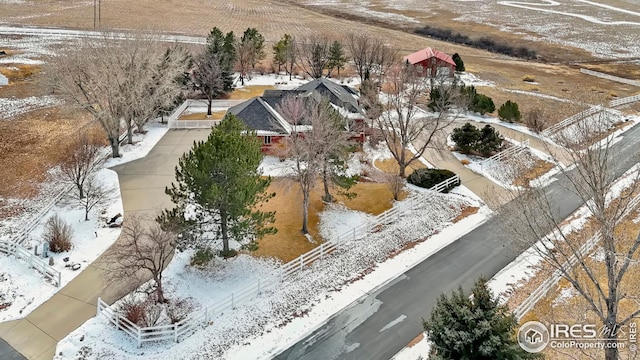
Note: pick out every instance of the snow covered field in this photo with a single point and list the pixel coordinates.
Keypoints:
(24, 287)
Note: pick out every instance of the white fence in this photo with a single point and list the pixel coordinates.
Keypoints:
(610, 77)
(511, 151)
(624, 100)
(550, 282)
(31, 259)
(174, 123)
(250, 291)
(571, 120)
(195, 124)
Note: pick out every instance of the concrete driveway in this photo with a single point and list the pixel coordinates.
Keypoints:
(142, 183)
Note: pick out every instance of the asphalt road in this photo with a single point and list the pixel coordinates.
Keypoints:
(380, 324)
(9, 353)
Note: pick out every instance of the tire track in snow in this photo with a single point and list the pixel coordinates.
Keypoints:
(536, 6)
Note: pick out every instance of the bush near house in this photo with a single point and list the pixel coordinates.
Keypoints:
(428, 178)
(509, 112)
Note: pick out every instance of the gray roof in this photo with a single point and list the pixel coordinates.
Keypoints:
(338, 94)
(258, 115)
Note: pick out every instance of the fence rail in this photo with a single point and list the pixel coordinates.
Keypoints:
(34, 261)
(511, 151)
(551, 281)
(195, 124)
(624, 100)
(252, 290)
(610, 77)
(571, 120)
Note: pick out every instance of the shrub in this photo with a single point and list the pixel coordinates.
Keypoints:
(202, 257)
(479, 103)
(529, 78)
(535, 119)
(134, 311)
(428, 178)
(179, 309)
(465, 162)
(152, 313)
(58, 234)
(466, 138)
(509, 112)
(458, 60)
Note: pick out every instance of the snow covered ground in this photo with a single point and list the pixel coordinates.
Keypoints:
(281, 81)
(278, 317)
(24, 287)
(12, 107)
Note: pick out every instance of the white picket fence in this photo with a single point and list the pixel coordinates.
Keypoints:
(551, 281)
(511, 151)
(254, 289)
(610, 77)
(571, 120)
(195, 124)
(34, 261)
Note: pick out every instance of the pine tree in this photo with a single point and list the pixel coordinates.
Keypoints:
(337, 58)
(473, 326)
(458, 60)
(466, 138)
(218, 188)
(280, 51)
(509, 112)
(490, 140)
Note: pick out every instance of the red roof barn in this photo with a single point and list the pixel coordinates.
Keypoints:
(432, 60)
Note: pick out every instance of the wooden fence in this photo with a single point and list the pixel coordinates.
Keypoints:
(255, 288)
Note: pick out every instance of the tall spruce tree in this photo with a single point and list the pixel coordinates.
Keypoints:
(473, 326)
(337, 58)
(218, 189)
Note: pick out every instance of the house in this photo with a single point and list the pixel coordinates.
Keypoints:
(260, 113)
(433, 61)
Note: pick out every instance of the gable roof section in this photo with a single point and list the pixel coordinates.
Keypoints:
(258, 115)
(338, 94)
(428, 53)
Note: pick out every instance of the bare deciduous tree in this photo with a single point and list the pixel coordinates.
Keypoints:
(114, 80)
(533, 215)
(95, 195)
(207, 76)
(370, 55)
(312, 55)
(83, 159)
(146, 249)
(404, 124)
(396, 184)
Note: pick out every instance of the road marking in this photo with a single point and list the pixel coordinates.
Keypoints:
(393, 323)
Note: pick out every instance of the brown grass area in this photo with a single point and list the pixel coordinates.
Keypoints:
(539, 168)
(215, 115)
(248, 92)
(390, 166)
(467, 211)
(19, 72)
(289, 243)
(416, 340)
(30, 145)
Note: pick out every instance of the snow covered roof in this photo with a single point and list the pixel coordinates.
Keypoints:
(428, 53)
(338, 94)
(258, 115)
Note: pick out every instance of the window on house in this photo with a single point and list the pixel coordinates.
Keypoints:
(266, 140)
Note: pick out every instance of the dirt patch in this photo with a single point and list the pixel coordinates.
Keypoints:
(467, 211)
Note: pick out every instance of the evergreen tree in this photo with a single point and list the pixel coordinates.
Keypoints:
(466, 138)
(483, 104)
(490, 140)
(222, 47)
(280, 51)
(509, 112)
(218, 189)
(459, 63)
(473, 326)
(337, 58)
(253, 37)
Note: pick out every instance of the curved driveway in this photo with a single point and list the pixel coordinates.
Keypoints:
(142, 184)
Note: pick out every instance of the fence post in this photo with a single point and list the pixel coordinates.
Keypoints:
(258, 286)
(321, 250)
(139, 337)
(354, 234)
(117, 321)
(175, 331)
(301, 261)
(59, 279)
(98, 307)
